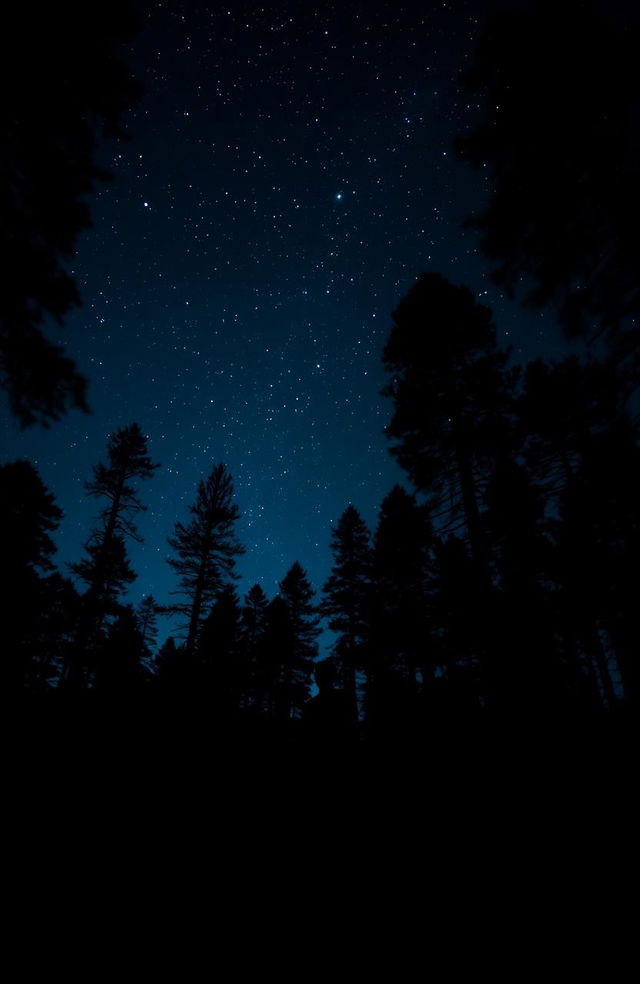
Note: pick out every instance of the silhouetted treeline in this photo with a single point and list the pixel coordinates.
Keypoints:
(505, 581)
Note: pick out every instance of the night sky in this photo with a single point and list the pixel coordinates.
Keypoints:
(288, 174)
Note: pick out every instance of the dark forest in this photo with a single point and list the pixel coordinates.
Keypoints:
(499, 584)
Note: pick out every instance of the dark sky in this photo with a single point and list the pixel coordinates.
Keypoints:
(289, 173)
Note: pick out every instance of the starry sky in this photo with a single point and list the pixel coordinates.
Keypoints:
(289, 172)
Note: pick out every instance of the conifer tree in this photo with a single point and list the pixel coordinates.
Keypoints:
(205, 550)
(147, 620)
(298, 594)
(346, 595)
(106, 570)
(76, 92)
(451, 400)
(561, 147)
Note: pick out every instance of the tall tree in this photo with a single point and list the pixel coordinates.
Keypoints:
(298, 594)
(561, 142)
(297, 591)
(106, 570)
(451, 397)
(127, 461)
(205, 550)
(147, 620)
(69, 88)
(346, 595)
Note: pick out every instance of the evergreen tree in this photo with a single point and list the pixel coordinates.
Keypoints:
(206, 549)
(147, 620)
(561, 147)
(451, 398)
(106, 570)
(298, 594)
(346, 595)
(67, 89)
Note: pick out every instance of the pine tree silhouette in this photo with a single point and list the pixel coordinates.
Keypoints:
(298, 594)
(451, 397)
(205, 550)
(346, 595)
(147, 620)
(106, 570)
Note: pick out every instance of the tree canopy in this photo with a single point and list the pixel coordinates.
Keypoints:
(561, 140)
(68, 86)
(205, 550)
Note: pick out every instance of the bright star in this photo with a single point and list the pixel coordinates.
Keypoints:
(339, 196)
